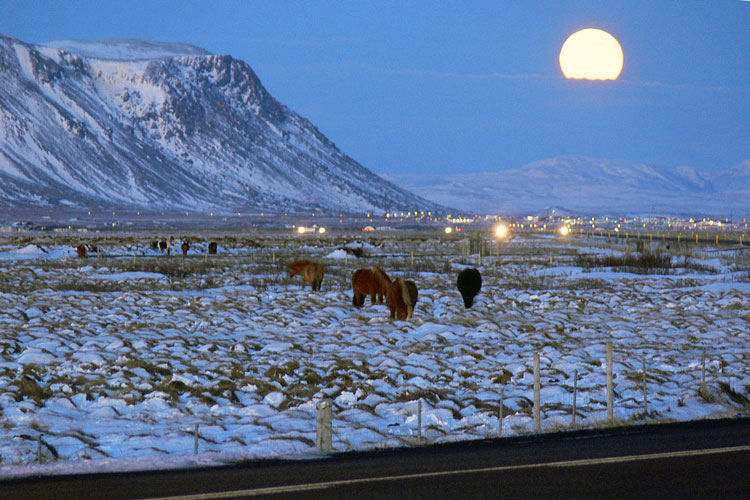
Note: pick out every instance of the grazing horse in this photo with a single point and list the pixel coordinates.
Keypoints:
(373, 282)
(82, 252)
(163, 245)
(185, 247)
(212, 247)
(401, 298)
(311, 272)
(469, 282)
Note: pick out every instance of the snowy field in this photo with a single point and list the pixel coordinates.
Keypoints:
(109, 363)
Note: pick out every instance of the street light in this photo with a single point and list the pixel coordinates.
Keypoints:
(501, 231)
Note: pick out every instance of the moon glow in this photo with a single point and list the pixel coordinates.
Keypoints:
(591, 54)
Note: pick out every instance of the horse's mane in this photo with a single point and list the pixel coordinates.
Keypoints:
(381, 276)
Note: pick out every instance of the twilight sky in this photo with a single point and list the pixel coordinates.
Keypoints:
(438, 87)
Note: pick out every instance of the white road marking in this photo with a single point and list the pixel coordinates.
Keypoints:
(347, 482)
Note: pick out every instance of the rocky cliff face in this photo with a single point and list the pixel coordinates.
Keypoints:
(139, 124)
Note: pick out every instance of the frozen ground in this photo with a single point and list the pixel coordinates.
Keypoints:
(108, 364)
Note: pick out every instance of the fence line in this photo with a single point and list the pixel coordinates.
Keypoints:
(325, 416)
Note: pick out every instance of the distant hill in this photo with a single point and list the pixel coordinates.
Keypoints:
(576, 184)
(128, 123)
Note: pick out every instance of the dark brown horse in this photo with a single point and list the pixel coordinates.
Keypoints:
(185, 247)
(401, 298)
(469, 283)
(212, 247)
(82, 252)
(311, 272)
(373, 282)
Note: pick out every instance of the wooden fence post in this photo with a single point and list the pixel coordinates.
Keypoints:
(419, 420)
(324, 426)
(501, 410)
(610, 387)
(575, 396)
(645, 391)
(537, 396)
(195, 440)
(703, 372)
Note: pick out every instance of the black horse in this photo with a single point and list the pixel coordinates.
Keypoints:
(469, 283)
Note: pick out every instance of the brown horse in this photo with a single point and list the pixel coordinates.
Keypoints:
(212, 247)
(401, 298)
(185, 247)
(311, 272)
(373, 282)
(82, 252)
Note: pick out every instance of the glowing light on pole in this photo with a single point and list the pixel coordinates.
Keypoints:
(501, 231)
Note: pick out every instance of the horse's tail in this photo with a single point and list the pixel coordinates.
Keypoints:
(316, 272)
(319, 272)
(406, 296)
(409, 294)
(355, 294)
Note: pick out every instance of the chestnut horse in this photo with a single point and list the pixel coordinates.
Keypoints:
(401, 298)
(469, 283)
(82, 252)
(373, 282)
(311, 272)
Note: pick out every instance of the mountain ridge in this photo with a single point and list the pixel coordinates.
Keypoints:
(187, 131)
(584, 185)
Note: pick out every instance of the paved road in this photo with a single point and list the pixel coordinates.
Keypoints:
(707, 459)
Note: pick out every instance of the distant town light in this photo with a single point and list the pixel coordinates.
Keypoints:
(564, 230)
(501, 231)
(301, 230)
(448, 230)
(321, 230)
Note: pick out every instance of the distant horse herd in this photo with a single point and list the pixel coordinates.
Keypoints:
(400, 295)
(164, 246)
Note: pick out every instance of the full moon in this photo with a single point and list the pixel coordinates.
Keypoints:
(591, 54)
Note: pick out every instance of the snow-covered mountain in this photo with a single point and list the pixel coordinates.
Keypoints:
(157, 125)
(576, 184)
